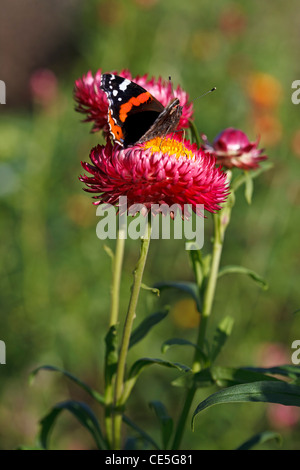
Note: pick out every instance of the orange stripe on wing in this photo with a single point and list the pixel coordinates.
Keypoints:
(134, 101)
(115, 129)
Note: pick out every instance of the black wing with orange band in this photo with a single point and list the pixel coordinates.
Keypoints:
(132, 109)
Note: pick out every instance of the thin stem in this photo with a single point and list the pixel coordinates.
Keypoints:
(113, 320)
(195, 132)
(116, 279)
(210, 290)
(119, 385)
(206, 311)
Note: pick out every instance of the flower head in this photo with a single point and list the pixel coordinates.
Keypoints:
(160, 171)
(92, 101)
(232, 148)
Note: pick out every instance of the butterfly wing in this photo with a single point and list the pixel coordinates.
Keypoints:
(132, 109)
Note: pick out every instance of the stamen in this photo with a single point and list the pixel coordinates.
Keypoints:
(168, 146)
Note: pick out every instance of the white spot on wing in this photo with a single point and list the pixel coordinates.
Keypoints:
(124, 84)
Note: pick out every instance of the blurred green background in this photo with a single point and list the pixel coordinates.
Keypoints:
(55, 273)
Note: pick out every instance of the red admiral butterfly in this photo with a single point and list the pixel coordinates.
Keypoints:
(134, 115)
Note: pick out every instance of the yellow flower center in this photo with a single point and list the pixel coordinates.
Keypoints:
(168, 146)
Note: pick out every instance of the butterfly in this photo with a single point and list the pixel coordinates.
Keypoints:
(134, 115)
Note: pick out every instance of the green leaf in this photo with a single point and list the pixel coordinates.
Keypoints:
(140, 365)
(241, 179)
(93, 393)
(184, 342)
(241, 270)
(82, 412)
(111, 354)
(265, 391)
(190, 288)
(228, 376)
(140, 431)
(221, 335)
(289, 370)
(201, 379)
(145, 326)
(260, 438)
(165, 421)
(151, 289)
(222, 377)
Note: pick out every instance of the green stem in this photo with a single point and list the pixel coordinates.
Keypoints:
(113, 320)
(206, 311)
(119, 385)
(116, 279)
(195, 132)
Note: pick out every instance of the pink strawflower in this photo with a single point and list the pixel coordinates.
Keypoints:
(159, 171)
(232, 148)
(92, 101)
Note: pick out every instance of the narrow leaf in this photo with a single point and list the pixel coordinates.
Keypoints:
(184, 342)
(221, 376)
(141, 432)
(151, 289)
(111, 354)
(242, 270)
(265, 391)
(260, 438)
(228, 376)
(93, 393)
(190, 288)
(238, 181)
(82, 412)
(140, 365)
(165, 421)
(289, 370)
(146, 325)
(221, 335)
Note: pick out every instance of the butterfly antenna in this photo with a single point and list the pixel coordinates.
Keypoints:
(171, 84)
(206, 93)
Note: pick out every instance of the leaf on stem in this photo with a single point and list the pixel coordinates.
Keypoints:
(140, 365)
(111, 354)
(140, 431)
(82, 412)
(93, 393)
(166, 422)
(151, 289)
(232, 269)
(264, 391)
(260, 438)
(222, 377)
(221, 335)
(183, 342)
(146, 325)
(190, 288)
